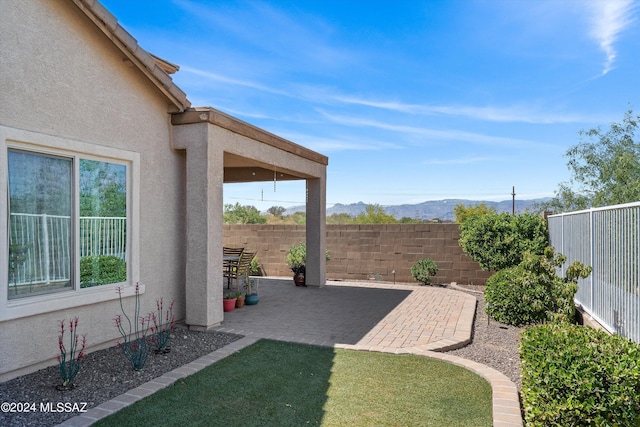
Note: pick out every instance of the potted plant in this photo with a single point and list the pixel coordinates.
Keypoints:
(229, 302)
(251, 290)
(423, 269)
(239, 299)
(296, 260)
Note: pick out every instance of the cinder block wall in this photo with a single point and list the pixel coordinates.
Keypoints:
(358, 251)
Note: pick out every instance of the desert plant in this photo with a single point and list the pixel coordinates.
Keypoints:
(249, 286)
(69, 359)
(579, 376)
(163, 324)
(423, 270)
(135, 345)
(254, 268)
(532, 292)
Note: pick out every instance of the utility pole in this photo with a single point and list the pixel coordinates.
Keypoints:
(513, 200)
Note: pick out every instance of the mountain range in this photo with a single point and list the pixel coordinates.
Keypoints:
(432, 209)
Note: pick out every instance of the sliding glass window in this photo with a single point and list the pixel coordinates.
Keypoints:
(56, 231)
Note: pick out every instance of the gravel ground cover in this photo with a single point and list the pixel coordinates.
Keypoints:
(493, 344)
(106, 374)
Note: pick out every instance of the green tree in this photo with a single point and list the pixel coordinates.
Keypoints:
(463, 212)
(276, 211)
(238, 214)
(605, 168)
(375, 214)
(498, 241)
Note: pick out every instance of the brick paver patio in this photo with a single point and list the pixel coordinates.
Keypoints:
(369, 316)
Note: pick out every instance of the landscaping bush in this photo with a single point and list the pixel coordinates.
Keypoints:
(101, 270)
(532, 292)
(498, 241)
(423, 269)
(574, 375)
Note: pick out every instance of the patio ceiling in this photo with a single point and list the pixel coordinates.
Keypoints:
(243, 169)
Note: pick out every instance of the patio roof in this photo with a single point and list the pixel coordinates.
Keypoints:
(238, 168)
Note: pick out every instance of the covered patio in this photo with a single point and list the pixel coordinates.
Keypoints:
(223, 149)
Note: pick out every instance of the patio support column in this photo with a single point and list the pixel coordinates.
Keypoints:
(203, 277)
(316, 268)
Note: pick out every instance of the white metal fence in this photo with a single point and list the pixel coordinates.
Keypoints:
(608, 239)
(41, 245)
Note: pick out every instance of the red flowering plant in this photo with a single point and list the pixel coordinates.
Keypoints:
(69, 359)
(134, 344)
(163, 323)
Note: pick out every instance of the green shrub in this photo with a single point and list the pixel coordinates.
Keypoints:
(423, 269)
(532, 292)
(578, 376)
(101, 270)
(498, 241)
(296, 258)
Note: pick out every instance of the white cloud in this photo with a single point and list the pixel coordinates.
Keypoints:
(608, 19)
(461, 161)
(229, 80)
(511, 114)
(433, 134)
(337, 143)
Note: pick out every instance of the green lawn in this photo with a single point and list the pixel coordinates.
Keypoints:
(273, 383)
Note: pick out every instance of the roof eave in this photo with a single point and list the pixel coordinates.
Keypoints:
(233, 124)
(128, 45)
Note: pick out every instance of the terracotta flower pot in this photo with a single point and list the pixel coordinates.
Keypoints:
(240, 302)
(299, 280)
(228, 304)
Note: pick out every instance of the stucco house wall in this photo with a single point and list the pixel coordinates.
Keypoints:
(61, 78)
(77, 86)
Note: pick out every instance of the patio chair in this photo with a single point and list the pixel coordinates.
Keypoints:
(230, 261)
(242, 269)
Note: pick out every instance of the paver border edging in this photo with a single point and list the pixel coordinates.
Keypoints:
(505, 401)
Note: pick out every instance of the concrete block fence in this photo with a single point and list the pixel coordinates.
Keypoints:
(359, 251)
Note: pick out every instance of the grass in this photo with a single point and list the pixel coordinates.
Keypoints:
(273, 383)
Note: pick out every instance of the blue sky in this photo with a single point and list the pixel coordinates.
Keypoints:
(410, 100)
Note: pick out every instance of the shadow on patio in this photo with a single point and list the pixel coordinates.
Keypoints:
(364, 315)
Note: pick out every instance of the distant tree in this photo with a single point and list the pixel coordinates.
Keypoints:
(605, 168)
(340, 218)
(375, 214)
(276, 211)
(409, 220)
(238, 214)
(299, 218)
(462, 212)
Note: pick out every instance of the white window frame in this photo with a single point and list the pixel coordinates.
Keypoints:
(38, 143)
